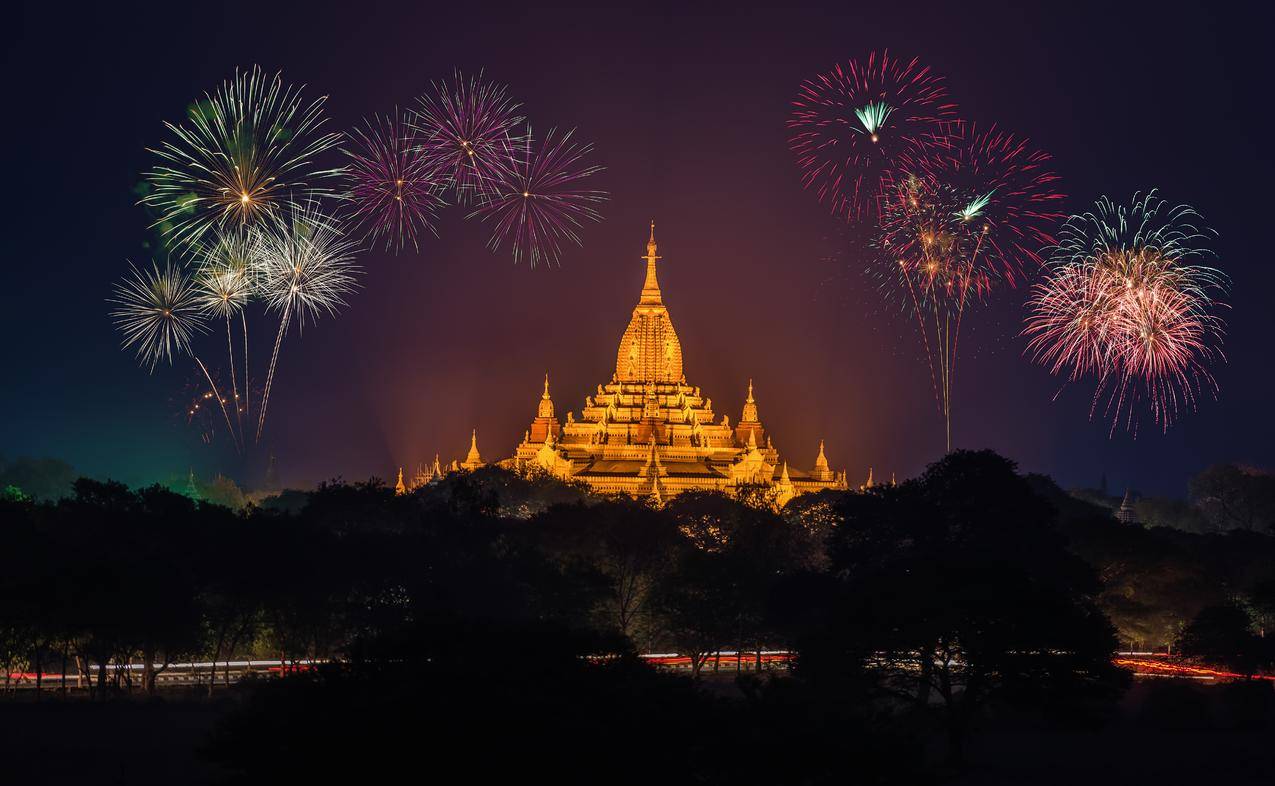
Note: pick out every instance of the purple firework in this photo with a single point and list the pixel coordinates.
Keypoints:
(535, 203)
(463, 129)
(394, 187)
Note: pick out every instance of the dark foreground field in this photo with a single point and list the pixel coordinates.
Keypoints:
(1164, 734)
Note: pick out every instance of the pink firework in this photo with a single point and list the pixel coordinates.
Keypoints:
(1010, 190)
(463, 128)
(395, 190)
(536, 202)
(1125, 302)
(855, 124)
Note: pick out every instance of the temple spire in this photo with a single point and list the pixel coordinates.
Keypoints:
(473, 460)
(651, 288)
(750, 407)
(545, 408)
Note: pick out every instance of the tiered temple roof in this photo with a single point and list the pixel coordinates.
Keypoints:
(648, 432)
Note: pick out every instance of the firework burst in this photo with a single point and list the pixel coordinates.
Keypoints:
(394, 182)
(226, 280)
(463, 128)
(307, 268)
(855, 124)
(158, 313)
(931, 241)
(240, 155)
(537, 203)
(975, 212)
(1011, 194)
(1126, 301)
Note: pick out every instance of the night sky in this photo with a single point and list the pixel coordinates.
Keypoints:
(687, 113)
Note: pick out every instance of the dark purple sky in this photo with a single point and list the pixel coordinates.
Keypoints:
(687, 112)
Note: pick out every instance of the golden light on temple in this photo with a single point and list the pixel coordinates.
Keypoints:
(648, 432)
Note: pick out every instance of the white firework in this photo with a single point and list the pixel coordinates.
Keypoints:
(158, 313)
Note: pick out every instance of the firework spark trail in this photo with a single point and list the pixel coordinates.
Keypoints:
(241, 154)
(854, 125)
(395, 184)
(225, 285)
(159, 313)
(924, 229)
(938, 234)
(536, 204)
(463, 128)
(221, 401)
(307, 268)
(1125, 302)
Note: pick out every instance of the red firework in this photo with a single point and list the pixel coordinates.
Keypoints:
(856, 123)
(974, 212)
(464, 128)
(1011, 192)
(537, 202)
(395, 190)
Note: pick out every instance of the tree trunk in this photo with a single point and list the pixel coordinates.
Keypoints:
(39, 670)
(697, 662)
(922, 698)
(101, 679)
(148, 671)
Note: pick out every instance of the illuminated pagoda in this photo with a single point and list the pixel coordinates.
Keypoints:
(648, 433)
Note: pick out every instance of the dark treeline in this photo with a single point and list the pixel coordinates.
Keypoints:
(493, 620)
(1221, 498)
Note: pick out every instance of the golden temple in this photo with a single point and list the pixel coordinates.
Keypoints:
(648, 432)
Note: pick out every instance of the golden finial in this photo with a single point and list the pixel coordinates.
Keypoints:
(545, 409)
(651, 288)
(750, 391)
(821, 461)
(473, 459)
